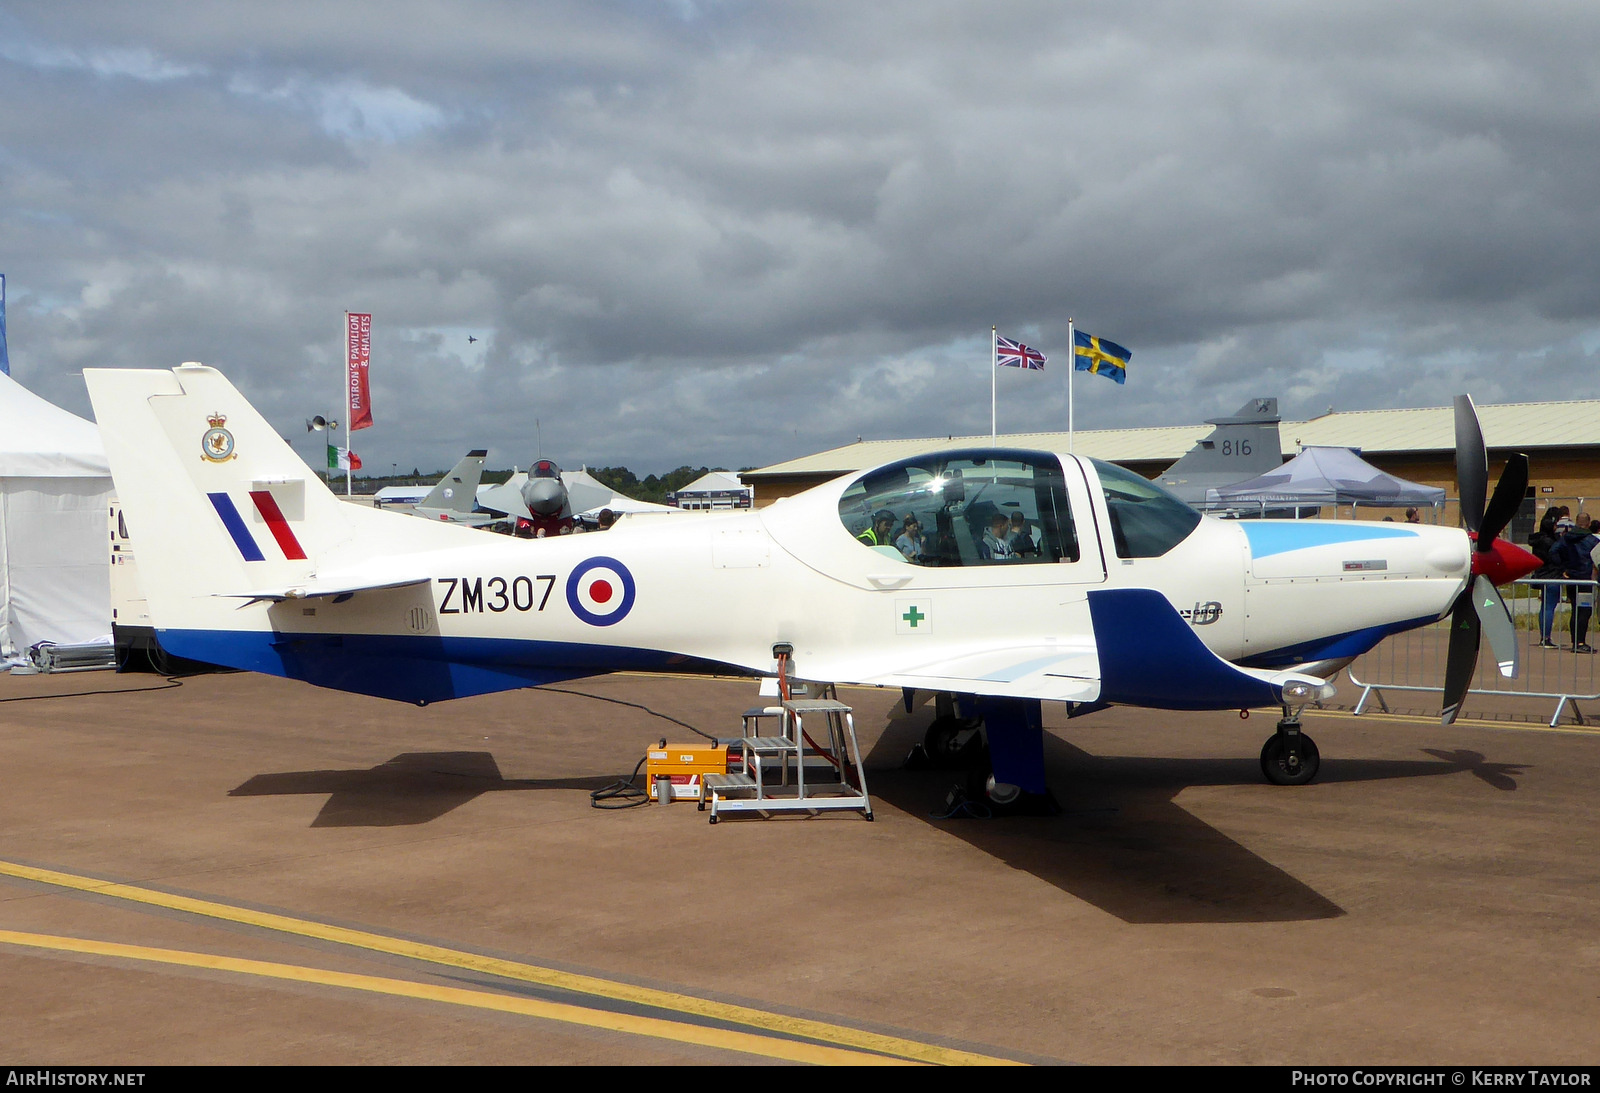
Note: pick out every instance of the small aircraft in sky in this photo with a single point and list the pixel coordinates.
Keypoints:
(1021, 577)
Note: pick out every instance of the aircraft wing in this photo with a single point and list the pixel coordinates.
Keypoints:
(1056, 674)
(584, 497)
(506, 497)
(1115, 665)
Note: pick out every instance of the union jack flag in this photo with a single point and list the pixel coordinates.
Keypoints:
(1010, 354)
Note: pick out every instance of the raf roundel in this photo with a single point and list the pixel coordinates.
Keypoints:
(600, 591)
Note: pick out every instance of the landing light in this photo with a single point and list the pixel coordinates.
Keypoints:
(1301, 690)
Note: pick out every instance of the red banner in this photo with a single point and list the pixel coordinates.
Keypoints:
(357, 354)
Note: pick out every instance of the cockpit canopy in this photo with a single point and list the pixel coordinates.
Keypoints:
(964, 508)
(988, 506)
(543, 468)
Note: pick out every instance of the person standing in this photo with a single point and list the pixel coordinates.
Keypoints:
(1574, 552)
(1542, 544)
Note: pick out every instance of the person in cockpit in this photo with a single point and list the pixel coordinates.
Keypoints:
(881, 533)
(910, 541)
(1022, 541)
(996, 544)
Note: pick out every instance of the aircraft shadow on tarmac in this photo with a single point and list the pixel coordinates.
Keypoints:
(1123, 843)
(411, 788)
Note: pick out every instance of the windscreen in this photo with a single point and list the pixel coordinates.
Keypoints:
(1146, 520)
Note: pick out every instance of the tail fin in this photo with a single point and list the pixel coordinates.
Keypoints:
(457, 492)
(222, 510)
(1241, 446)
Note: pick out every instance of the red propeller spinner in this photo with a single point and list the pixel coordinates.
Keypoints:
(1503, 562)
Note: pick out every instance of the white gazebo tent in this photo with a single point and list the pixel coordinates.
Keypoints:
(716, 490)
(1323, 475)
(55, 491)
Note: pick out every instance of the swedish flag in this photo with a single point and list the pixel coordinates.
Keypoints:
(1103, 358)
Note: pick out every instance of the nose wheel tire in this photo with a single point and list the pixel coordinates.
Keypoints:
(1278, 768)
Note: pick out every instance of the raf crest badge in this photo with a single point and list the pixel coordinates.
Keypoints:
(217, 443)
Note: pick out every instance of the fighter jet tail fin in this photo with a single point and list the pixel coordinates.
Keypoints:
(1240, 446)
(457, 492)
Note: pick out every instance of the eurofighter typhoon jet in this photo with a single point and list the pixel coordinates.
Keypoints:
(1109, 591)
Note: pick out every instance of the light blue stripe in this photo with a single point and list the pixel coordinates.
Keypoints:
(1017, 671)
(1274, 537)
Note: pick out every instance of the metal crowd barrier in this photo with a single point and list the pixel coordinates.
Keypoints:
(1415, 660)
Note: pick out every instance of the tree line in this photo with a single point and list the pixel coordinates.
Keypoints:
(656, 488)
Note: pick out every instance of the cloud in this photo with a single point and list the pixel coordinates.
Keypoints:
(348, 108)
(715, 233)
(135, 63)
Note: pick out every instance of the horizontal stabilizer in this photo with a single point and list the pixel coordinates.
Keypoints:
(317, 589)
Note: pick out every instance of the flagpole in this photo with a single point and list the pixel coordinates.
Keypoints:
(346, 339)
(994, 367)
(1072, 366)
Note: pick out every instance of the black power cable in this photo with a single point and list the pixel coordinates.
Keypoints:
(635, 705)
(623, 793)
(172, 681)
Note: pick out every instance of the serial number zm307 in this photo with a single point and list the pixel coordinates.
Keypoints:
(467, 595)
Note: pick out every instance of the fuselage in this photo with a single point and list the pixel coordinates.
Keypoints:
(718, 592)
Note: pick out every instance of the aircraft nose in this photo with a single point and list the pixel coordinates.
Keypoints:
(545, 496)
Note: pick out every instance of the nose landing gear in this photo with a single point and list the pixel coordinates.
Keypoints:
(1289, 757)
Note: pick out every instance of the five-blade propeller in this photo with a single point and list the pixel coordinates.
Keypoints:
(1479, 607)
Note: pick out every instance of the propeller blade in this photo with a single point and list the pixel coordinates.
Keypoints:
(1472, 463)
(1497, 625)
(1463, 655)
(1509, 494)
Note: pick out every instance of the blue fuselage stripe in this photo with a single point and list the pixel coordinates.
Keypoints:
(235, 525)
(1350, 644)
(418, 668)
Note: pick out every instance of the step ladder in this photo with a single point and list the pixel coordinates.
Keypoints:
(775, 776)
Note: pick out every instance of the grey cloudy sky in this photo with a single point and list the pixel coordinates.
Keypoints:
(733, 233)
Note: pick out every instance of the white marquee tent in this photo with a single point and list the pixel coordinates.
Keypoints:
(1323, 475)
(55, 490)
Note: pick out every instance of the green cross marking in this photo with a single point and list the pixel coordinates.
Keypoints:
(913, 616)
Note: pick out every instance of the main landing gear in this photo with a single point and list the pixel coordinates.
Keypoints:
(1289, 757)
(999, 743)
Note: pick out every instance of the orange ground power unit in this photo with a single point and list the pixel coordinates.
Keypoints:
(684, 764)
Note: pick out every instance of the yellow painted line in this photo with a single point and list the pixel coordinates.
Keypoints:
(655, 1027)
(1476, 723)
(781, 1024)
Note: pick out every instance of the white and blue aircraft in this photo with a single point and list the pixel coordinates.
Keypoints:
(1105, 590)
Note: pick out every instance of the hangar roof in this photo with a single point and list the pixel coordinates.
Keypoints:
(1519, 426)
